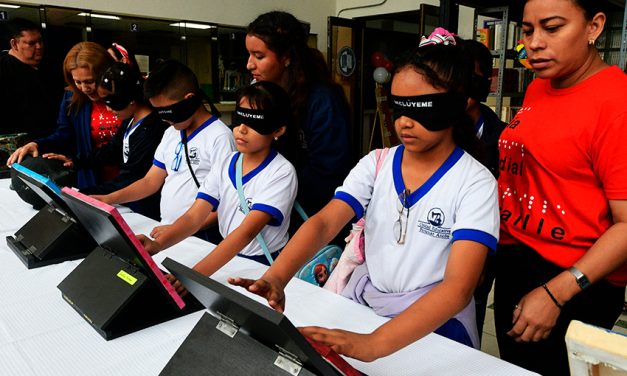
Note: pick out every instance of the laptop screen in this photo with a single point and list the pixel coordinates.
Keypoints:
(43, 186)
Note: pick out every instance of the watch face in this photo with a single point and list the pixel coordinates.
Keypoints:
(581, 278)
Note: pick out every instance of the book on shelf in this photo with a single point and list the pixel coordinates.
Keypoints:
(512, 79)
(491, 33)
(483, 36)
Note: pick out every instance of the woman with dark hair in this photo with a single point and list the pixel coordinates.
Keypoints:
(133, 147)
(562, 190)
(84, 123)
(432, 217)
(278, 52)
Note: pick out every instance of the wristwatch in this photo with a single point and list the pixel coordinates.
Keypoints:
(581, 278)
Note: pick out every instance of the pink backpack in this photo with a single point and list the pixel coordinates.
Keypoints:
(354, 252)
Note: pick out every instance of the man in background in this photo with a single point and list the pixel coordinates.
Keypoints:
(29, 99)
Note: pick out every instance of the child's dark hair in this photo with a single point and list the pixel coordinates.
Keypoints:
(445, 67)
(477, 53)
(266, 95)
(171, 79)
(124, 80)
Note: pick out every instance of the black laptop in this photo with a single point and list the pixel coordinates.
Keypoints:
(53, 234)
(118, 288)
(240, 337)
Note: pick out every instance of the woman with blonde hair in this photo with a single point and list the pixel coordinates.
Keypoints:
(84, 122)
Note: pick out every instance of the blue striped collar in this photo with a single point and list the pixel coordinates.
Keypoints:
(419, 193)
(246, 178)
(197, 130)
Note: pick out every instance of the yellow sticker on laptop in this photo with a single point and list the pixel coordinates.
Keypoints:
(127, 277)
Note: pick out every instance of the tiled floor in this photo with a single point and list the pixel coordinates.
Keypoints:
(488, 340)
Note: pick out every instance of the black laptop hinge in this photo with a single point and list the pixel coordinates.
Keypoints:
(65, 217)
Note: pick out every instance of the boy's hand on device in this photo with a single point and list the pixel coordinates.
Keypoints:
(178, 286)
(151, 246)
(354, 345)
(67, 162)
(102, 198)
(158, 230)
(272, 291)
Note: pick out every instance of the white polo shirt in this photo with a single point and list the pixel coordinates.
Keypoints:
(271, 187)
(211, 142)
(459, 202)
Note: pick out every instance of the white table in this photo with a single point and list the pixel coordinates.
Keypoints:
(40, 334)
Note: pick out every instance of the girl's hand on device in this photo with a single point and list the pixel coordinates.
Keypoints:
(151, 246)
(158, 230)
(178, 286)
(267, 288)
(355, 345)
(67, 162)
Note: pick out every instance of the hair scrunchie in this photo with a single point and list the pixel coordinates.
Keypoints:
(123, 52)
(439, 36)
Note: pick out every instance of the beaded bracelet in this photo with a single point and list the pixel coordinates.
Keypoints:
(552, 296)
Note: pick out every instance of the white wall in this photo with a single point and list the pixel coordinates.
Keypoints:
(225, 12)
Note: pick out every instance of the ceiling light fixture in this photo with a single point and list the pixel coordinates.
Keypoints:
(191, 25)
(96, 15)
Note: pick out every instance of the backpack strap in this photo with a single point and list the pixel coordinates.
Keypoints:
(381, 154)
(299, 209)
(244, 205)
(189, 163)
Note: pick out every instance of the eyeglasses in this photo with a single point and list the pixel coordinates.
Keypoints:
(401, 224)
(178, 157)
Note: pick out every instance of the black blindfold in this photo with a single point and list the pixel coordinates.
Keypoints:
(435, 112)
(263, 122)
(180, 111)
(118, 102)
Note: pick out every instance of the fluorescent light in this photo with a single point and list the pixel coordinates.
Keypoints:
(95, 15)
(9, 6)
(192, 25)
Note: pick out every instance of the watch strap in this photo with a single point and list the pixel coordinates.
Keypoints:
(581, 278)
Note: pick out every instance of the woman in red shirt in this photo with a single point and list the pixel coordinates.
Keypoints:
(562, 252)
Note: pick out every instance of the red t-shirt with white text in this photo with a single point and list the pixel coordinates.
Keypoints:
(562, 157)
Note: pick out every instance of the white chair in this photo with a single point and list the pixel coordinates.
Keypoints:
(594, 351)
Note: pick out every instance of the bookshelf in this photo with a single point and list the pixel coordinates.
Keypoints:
(613, 42)
(623, 42)
(496, 39)
(494, 28)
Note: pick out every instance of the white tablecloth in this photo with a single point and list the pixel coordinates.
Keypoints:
(40, 334)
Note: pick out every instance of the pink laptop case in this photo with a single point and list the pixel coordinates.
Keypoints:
(131, 236)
